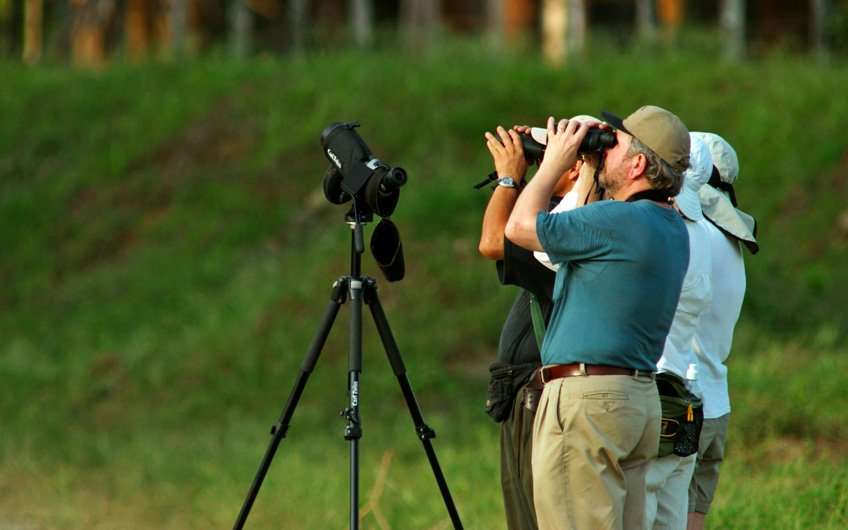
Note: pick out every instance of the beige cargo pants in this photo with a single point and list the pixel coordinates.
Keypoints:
(593, 438)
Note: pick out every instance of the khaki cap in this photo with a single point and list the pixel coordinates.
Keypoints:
(660, 130)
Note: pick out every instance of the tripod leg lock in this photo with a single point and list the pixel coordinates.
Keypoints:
(279, 427)
(369, 290)
(425, 432)
(339, 294)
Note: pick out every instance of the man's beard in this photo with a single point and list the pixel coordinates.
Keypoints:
(610, 180)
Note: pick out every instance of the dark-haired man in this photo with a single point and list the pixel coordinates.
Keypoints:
(515, 398)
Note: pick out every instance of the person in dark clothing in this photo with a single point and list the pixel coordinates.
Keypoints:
(513, 393)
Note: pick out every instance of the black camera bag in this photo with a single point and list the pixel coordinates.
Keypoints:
(505, 381)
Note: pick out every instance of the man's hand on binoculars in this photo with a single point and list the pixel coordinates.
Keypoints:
(564, 138)
(507, 153)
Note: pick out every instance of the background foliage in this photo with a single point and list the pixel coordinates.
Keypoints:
(167, 254)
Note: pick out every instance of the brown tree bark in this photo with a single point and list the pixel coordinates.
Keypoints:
(266, 8)
(33, 30)
(138, 28)
(88, 31)
(670, 13)
(518, 18)
(5, 29)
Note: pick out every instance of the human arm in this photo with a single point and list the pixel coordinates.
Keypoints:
(561, 153)
(508, 155)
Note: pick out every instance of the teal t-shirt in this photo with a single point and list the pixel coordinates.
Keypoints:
(615, 294)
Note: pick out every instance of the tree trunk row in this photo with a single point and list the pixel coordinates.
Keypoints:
(564, 24)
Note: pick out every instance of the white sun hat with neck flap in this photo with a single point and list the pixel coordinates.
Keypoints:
(718, 198)
(698, 173)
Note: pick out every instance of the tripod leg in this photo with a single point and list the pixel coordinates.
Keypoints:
(353, 430)
(424, 432)
(278, 430)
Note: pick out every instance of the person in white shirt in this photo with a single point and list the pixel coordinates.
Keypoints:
(727, 228)
(667, 482)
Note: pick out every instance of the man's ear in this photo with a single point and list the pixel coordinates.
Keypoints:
(638, 165)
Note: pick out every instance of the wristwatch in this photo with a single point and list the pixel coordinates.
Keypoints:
(507, 182)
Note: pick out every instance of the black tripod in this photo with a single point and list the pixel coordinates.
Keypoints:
(359, 289)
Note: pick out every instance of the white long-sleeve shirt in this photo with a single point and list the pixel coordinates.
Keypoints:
(695, 298)
(714, 336)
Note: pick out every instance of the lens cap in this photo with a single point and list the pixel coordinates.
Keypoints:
(388, 250)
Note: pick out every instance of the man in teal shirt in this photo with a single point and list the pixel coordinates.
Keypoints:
(623, 262)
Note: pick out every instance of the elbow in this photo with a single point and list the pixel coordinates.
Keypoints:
(490, 248)
(513, 230)
(522, 231)
(510, 228)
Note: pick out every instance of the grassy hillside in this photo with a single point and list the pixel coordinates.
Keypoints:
(167, 254)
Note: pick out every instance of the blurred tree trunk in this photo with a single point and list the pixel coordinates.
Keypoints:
(576, 29)
(177, 23)
(88, 31)
(563, 29)
(495, 24)
(420, 19)
(517, 18)
(297, 23)
(554, 20)
(138, 28)
(33, 30)
(732, 22)
(5, 29)
(820, 9)
(241, 28)
(362, 21)
(671, 15)
(646, 20)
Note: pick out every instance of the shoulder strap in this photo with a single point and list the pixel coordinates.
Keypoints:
(538, 320)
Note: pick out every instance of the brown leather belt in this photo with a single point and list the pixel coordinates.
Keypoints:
(555, 371)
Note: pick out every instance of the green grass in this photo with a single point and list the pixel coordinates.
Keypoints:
(167, 255)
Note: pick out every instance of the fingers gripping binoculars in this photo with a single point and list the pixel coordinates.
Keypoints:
(595, 141)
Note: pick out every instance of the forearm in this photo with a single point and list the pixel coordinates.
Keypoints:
(521, 226)
(585, 186)
(494, 222)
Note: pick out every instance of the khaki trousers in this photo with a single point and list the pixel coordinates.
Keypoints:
(667, 492)
(593, 438)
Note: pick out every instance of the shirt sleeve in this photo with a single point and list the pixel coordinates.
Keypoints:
(520, 268)
(579, 234)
